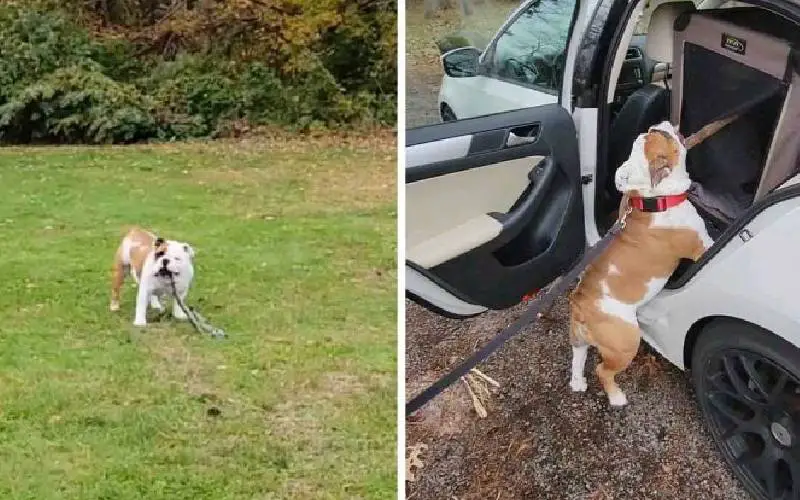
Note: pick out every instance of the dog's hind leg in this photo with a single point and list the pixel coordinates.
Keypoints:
(617, 344)
(580, 349)
(117, 278)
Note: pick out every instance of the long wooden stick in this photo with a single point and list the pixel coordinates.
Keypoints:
(707, 131)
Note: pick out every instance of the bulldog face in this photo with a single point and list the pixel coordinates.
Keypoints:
(172, 257)
(657, 164)
(663, 154)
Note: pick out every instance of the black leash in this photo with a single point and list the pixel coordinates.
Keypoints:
(540, 303)
(195, 318)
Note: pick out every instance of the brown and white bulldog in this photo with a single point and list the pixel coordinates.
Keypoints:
(661, 228)
(153, 263)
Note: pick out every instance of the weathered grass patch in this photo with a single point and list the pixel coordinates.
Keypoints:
(295, 258)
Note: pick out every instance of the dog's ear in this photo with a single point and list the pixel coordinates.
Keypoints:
(188, 249)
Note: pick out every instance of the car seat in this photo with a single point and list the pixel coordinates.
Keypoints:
(644, 108)
(648, 105)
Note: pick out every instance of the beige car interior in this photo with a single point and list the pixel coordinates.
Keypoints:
(659, 35)
(658, 22)
(767, 53)
(447, 216)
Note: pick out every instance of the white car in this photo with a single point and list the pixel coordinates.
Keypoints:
(504, 197)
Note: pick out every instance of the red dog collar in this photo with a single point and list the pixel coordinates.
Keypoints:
(657, 203)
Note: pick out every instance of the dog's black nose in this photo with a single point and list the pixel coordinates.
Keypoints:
(165, 263)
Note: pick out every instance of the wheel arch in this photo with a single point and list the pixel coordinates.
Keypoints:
(693, 335)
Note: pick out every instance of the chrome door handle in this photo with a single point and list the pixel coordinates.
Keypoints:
(516, 140)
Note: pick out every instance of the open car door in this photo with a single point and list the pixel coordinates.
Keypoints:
(493, 208)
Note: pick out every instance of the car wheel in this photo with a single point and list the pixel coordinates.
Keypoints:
(447, 114)
(747, 382)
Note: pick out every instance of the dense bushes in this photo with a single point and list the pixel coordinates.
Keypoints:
(77, 104)
(82, 75)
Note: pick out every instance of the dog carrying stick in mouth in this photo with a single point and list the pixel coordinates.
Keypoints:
(661, 228)
(153, 262)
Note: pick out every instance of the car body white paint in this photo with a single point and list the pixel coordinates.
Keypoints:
(482, 95)
(757, 281)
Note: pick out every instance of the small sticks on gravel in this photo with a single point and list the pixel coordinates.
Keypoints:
(476, 383)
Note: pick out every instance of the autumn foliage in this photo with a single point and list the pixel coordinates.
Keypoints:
(128, 70)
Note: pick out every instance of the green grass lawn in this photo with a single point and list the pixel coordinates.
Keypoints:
(295, 245)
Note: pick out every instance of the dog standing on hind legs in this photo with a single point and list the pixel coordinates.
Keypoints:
(661, 228)
(153, 263)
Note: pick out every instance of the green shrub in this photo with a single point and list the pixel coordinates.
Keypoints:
(216, 93)
(33, 44)
(193, 93)
(77, 104)
(61, 82)
(361, 55)
(118, 59)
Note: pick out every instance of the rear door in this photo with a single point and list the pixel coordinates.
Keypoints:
(493, 208)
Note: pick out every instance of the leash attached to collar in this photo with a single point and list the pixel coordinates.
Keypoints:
(195, 318)
(540, 303)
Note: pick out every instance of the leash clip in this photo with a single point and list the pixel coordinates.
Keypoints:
(627, 212)
(623, 215)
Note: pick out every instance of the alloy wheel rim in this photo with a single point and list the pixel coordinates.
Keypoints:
(753, 405)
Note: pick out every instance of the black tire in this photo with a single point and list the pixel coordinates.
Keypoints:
(447, 114)
(747, 381)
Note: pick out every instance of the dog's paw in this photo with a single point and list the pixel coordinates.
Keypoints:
(617, 399)
(578, 385)
(140, 323)
(114, 306)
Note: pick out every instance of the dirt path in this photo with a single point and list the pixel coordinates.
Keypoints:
(542, 441)
(422, 88)
(423, 67)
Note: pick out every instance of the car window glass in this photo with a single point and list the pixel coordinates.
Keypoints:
(532, 49)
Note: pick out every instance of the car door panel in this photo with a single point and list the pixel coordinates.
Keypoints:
(461, 221)
(497, 212)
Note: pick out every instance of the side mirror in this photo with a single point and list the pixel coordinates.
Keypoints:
(461, 62)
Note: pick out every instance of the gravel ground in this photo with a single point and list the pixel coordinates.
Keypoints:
(422, 88)
(542, 441)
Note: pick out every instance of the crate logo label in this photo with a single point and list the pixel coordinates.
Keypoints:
(733, 43)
